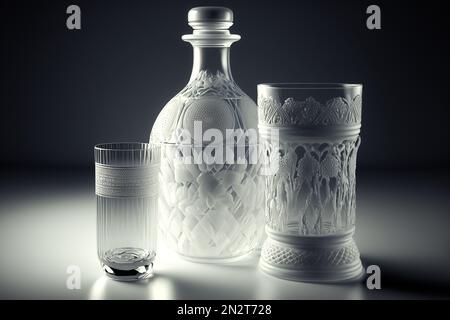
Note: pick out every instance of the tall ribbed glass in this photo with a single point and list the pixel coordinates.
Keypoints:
(126, 187)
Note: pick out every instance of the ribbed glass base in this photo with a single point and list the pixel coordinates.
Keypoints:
(128, 264)
(139, 273)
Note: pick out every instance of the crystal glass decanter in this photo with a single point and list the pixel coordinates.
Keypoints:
(209, 212)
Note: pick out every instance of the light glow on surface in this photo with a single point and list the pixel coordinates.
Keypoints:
(402, 225)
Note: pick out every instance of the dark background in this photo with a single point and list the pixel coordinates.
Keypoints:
(63, 91)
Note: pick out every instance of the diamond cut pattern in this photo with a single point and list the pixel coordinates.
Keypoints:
(217, 214)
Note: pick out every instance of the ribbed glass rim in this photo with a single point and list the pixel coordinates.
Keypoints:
(310, 85)
(123, 146)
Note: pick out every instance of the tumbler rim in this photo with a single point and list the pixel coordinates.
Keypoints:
(310, 85)
(128, 146)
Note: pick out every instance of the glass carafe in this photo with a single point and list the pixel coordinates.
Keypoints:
(209, 212)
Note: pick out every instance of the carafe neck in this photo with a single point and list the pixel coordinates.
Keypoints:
(211, 61)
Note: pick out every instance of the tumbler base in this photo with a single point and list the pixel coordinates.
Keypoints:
(328, 258)
(128, 263)
(139, 273)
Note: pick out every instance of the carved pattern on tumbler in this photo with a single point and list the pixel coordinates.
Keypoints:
(314, 190)
(125, 181)
(310, 200)
(303, 257)
(336, 111)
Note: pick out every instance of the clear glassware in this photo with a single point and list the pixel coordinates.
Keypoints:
(212, 100)
(211, 209)
(126, 186)
(310, 199)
